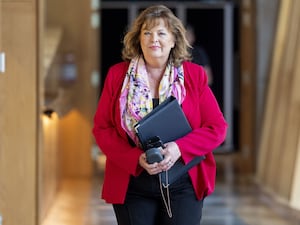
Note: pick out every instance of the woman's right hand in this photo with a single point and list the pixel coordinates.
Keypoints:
(152, 169)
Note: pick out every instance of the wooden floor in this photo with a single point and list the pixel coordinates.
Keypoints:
(78, 203)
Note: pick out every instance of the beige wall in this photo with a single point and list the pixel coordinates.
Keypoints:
(80, 39)
(67, 139)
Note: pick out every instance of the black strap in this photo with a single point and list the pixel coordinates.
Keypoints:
(192, 163)
(178, 169)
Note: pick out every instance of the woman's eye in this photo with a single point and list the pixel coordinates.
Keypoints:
(147, 33)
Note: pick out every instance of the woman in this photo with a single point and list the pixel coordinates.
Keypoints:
(156, 65)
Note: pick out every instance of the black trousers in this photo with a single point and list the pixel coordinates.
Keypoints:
(144, 203)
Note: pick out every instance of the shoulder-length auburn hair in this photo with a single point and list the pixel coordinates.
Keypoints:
(149, 18)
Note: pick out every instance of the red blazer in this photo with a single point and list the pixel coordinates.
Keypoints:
(202, 112)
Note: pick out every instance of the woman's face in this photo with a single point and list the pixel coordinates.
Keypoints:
(157, 42)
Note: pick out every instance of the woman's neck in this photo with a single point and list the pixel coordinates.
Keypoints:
(156, 70)
(154, 77)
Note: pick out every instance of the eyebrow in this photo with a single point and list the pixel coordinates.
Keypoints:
(161, 29)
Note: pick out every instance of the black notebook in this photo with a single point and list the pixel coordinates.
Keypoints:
(167, 121)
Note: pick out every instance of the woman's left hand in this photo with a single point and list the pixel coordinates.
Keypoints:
(171, 154)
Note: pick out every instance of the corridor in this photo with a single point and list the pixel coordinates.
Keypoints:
(233, 203)
(46, 118)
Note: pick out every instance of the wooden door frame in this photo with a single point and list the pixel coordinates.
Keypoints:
(245, 160)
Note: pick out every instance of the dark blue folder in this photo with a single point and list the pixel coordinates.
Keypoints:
(167, 121)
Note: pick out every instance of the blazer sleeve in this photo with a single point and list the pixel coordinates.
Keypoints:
(204, 114)
(109, 135)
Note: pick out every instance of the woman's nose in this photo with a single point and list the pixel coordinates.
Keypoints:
(154, 38)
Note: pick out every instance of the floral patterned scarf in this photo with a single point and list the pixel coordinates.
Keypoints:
(136, 98)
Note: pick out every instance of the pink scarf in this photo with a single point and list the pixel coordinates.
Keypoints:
(136, 98)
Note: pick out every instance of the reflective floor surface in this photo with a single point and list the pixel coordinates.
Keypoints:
(232, 203)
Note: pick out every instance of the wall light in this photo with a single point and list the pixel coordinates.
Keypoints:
(48, 112)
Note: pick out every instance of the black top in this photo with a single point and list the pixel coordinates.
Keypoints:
(155, 102)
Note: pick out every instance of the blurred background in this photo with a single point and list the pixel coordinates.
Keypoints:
(54, 56)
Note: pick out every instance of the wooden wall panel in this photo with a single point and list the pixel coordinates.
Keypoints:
(280, 113)
(295, 195)
(246, 156)
(278, 148)
(271, 99)
(18, 1)
(18, 114)
(1, 12)
(49, 165)
(74, 141)
(291, 125)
